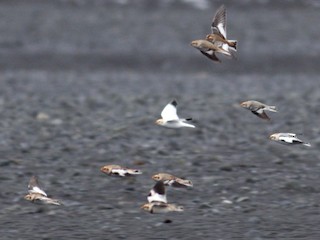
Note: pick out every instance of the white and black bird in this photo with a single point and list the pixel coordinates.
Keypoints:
(170, 118)
(258, 108)
(117, 170)
(157, 201)
(288, 138)
(36, 194)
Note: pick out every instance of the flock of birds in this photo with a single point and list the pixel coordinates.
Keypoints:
(214, 43)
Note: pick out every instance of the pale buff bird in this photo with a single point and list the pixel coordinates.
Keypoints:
(170, 118)
(171, 180)
(219, 32)
(288, 138)
(117, 170)
(157, 201)
(37, 195)
(210, 49)
(258, 108)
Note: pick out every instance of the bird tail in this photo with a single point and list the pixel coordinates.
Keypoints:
(233, 44)
(307, 144)
(271, 108)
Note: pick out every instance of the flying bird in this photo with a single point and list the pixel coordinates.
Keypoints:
(117, 170)
(36, 194)
(209, 49)
(288, 138)
(157, 201)
(170, 118)
(171, 180)
(218, 30)
(258, 108)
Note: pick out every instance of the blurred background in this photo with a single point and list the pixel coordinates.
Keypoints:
(82, 82)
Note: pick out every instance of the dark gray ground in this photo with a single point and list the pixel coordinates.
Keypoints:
(102, 72)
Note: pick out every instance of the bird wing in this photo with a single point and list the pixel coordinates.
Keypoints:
(169, 112)
(211, 55)
(33, 186)
(219, 22)
(157, 193)
(290, 139)
(261, 114)
(122, 172)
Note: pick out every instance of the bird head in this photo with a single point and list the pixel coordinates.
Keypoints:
(105, 169)
(244, 104)
(156, 177)
(273, 137)
(146, 207)
(159, 121)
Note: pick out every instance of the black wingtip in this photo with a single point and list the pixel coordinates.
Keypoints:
(188, 119)
(174, 102)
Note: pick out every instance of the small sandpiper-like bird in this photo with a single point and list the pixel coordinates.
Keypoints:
(288, 138)
(171, 180)
(170, 118)
(116, 170)
(157, 201)
(36, 194)
(210, 49)
(258, 108)
(218, 30)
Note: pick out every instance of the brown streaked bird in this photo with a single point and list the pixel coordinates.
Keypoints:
(157, 201)
(117, 170)
(258, 108)
(171, 180)
(288, 138)
(219, 32)
(210, 49)
(37, 195)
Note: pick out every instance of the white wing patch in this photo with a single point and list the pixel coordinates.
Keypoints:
(260, 111)
(289, 139)
(121, 172)
(156, 197)
(36, 189)
(221, 30)
(169, 113)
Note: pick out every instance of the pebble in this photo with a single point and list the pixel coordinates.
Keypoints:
(41, 116)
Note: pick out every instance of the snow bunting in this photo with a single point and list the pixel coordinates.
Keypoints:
(209, 49)
(36, 194)
(288, 138)
(170, 118)
(218, 29)
(116, 170)
(258, 108)
(157, 201)
(171, 180)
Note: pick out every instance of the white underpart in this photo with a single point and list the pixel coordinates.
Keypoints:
(169, 113)
(121, 172)
(178, 124)
(36, 189)
(156, 197)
